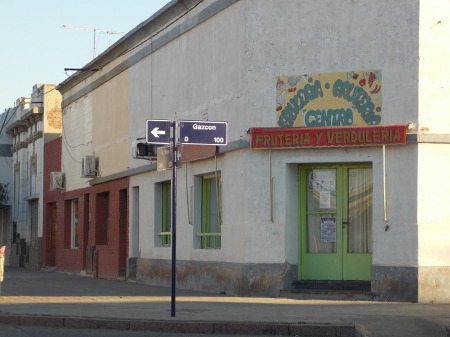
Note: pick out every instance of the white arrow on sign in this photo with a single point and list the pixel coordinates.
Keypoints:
(155, 132)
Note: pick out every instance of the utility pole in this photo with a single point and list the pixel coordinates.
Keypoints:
(95, 30)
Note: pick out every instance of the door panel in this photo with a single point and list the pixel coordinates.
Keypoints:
(52, 211)
(335, 222)
(320, 208)
(358, 226)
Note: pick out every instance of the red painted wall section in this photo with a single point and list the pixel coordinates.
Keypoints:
(123, 231)
(68, 258)
(102, 230)
(52, 163)
(110, 263)
(102, 223)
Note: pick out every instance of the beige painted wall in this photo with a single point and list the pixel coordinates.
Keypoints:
(52, 109)
(111, 120)
(433, 186)
(434, 70)
(433, 214)
(97, 124)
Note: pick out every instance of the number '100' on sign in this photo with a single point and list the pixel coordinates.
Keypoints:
(203, 133)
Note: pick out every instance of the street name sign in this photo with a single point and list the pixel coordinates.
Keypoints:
(157, 131)
(203, 133)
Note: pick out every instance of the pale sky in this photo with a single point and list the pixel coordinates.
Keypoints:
(35, 48)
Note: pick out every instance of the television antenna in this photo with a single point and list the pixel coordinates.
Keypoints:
(95, 30)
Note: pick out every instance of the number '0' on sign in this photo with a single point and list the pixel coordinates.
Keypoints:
(203, 133)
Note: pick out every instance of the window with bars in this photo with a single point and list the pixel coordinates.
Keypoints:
(210, 235)
(166, 216)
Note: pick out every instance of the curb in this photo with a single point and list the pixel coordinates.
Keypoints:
(193, 327)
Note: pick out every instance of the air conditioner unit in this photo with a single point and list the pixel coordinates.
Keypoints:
(142, 150)
(56, 181)
(89, 167)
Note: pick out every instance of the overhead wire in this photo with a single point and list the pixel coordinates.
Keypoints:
(65, 137)
(151, 36)
(66, 146)
(66, 143)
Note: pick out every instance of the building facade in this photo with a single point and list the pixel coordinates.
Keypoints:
(333, 130)
(6, 180)
(36, 120)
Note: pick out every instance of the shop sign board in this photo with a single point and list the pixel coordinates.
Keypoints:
(203, 133)
(288, 138)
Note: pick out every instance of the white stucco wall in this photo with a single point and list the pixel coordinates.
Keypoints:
(197, 77)
(287, 37)
(300, 37)
(395, 246)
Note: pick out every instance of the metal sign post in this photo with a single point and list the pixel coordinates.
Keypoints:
(191, 132)
(174, 217)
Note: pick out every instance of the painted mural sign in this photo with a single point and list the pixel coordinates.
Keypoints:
(329, 99)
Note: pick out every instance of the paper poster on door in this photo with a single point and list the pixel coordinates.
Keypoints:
(325, 199)
(328, 229)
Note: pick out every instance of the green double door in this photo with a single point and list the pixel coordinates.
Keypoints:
(335, 236)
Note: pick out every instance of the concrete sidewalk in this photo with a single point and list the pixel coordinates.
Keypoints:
(58, 299)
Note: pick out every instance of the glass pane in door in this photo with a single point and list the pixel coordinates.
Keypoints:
(321, 211)
(360, 194)
(321, 233)
(321, 193)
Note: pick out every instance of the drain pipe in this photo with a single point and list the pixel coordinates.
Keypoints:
(384, 186)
